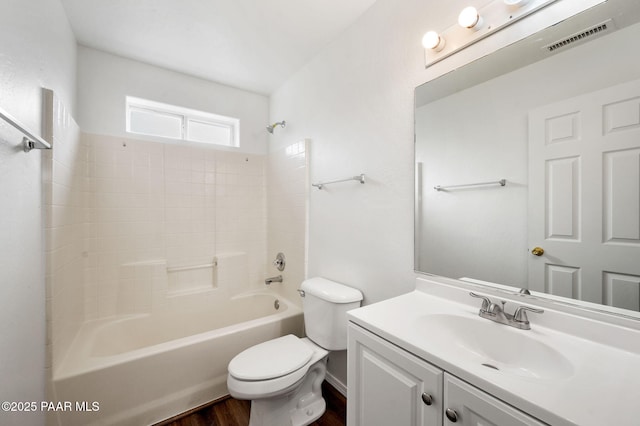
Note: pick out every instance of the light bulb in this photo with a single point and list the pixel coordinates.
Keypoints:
(432, 40)
(469, 17)
(515, 3)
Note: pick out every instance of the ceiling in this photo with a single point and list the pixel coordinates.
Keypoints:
(250, 44)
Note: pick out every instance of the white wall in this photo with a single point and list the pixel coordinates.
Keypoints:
(107, 79)
(38, 50)
(355, 101)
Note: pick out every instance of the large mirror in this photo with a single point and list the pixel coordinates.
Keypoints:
(560, 127)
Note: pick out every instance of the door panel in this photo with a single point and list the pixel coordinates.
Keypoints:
(563, 281)
(563, 198)
(622, 196)
(390, 394)
(622, 290)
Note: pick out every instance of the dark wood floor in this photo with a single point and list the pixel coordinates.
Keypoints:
(234, 412)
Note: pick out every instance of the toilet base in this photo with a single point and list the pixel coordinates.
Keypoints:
(300, 407)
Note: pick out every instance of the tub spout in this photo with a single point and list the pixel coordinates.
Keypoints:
(277, 279)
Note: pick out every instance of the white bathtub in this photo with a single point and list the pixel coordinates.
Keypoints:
(142, 369)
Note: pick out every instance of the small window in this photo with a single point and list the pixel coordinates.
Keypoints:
(154, 123)
(150, 118)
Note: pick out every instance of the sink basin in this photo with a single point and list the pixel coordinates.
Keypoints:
(494, 346)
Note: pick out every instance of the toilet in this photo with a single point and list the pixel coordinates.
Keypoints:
(282, 377)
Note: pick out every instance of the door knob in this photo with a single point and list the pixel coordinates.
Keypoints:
(537, 251)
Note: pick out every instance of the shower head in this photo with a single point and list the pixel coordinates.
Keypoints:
(274, 125)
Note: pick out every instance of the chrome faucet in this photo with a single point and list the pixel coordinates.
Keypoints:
(277, 279)
(496, 313)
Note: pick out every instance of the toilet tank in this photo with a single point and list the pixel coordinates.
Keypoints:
(325, 305)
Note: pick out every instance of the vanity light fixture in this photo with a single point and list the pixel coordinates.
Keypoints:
(515, 3)
(432, 40)
(474, 24)
(470, 18)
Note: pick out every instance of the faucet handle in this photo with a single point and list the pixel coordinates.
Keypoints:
(520, 314)
(486, 302)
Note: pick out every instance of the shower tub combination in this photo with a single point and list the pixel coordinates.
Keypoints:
(141, 369)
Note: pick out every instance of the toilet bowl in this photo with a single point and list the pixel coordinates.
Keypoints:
(287, 390)
(283, 377)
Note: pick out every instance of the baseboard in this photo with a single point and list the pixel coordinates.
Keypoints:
(333, 381)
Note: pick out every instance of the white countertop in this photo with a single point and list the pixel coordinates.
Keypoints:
(601, 384)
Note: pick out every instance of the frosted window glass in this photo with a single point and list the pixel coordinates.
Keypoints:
(170, 121)
(199, 131)
(148, 122)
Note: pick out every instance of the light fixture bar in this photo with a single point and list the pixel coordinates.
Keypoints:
(493, 17)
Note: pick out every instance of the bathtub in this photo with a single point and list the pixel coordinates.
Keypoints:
(141, 369)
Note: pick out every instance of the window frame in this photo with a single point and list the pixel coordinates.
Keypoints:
(185, 114)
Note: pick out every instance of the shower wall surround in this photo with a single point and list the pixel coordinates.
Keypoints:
(287, 195)
(64, 187)
(166, 220)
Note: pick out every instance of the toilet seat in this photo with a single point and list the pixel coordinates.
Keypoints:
(255, 389)
(272, 359)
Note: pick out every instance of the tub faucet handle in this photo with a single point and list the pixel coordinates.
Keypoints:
(280, 262)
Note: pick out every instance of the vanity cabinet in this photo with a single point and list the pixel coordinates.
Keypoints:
(390, 386)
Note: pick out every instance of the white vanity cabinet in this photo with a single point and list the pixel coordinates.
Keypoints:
(390, 386)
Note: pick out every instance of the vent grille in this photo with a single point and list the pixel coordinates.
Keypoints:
(590, 32)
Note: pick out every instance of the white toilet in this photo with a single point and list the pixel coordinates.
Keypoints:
(282, 377)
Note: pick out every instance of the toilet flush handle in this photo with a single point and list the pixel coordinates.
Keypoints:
(301, 293)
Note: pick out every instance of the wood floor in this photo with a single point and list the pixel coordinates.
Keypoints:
(234, 412)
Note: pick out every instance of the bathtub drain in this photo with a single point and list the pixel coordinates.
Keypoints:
(276, 304)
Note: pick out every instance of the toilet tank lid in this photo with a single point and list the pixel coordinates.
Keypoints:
(331, 291)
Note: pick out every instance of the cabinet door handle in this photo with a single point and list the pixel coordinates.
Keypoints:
(451, 415)
(427, 399)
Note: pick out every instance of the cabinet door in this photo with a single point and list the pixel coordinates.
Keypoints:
(473, 407)
(389, 386)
